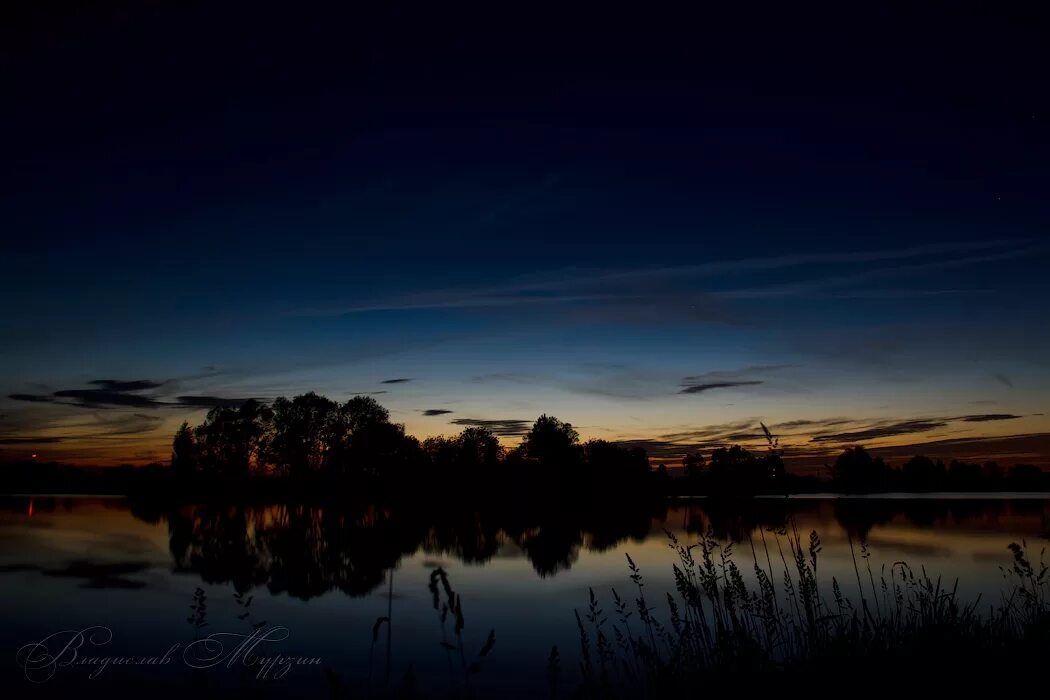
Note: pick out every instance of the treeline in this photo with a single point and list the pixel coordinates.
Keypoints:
(310, 446)
(735, 470)
(34, 477)
(857, 471)
(310, 442)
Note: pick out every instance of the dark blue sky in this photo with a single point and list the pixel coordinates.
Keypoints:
(841, 215)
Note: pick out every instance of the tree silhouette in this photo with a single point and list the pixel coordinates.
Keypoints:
(301, 434)
(856, 470)
(231, 440)
(442, 452)
(1024, 477)
(923, 474)
(315, 446)
(611, 467)
(184, 452)
(478, 448)
(552, 442)
(964, 476)
(362, 439)
(694, 465)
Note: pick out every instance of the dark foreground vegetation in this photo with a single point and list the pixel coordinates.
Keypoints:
(312, 447)
(789, 626)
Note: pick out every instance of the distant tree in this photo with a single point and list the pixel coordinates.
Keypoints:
(723, 458)
(467, 460)
(302, 432)
(184, 452)
(614, 467)
(359, 434)
(923, 474)
(964, 476)
(230, 440)
(478, 448)
(856, 470)
(1025, 477)
(441, 451)
(362, 411)
(552, 442)
(992, 472)
(383, 451)
(693, 465)
(736, 470)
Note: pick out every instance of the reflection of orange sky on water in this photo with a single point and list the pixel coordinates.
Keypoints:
(61, 529)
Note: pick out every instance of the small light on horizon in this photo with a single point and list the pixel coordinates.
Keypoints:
(33, 455)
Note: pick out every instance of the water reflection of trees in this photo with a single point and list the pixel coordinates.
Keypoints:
(306, 551)
(735, 520)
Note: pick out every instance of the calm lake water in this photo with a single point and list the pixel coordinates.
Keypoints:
(326, 576)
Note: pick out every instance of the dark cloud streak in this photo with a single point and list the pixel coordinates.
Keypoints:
(103, 397)
(33, 398)
(208, 401)
(121, 385)
(881, 431)
(985, 417)
(708, 386)
(504, 427)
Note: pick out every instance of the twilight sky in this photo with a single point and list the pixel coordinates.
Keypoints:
(663, 230)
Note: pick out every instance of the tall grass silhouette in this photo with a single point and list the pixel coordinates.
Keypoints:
(790, 622)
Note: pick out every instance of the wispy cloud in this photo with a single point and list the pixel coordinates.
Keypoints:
(575, 285)
(209, 401)
(32, 398)
(436, 412)
(728, 379)
(716, 434)
(1031, 448)
(811, 423)
(881, 431)
(506, 427)
(819, 284)
(99, 427)
(49, 440)
(103, 397)
(399, 380)
(124, 394)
